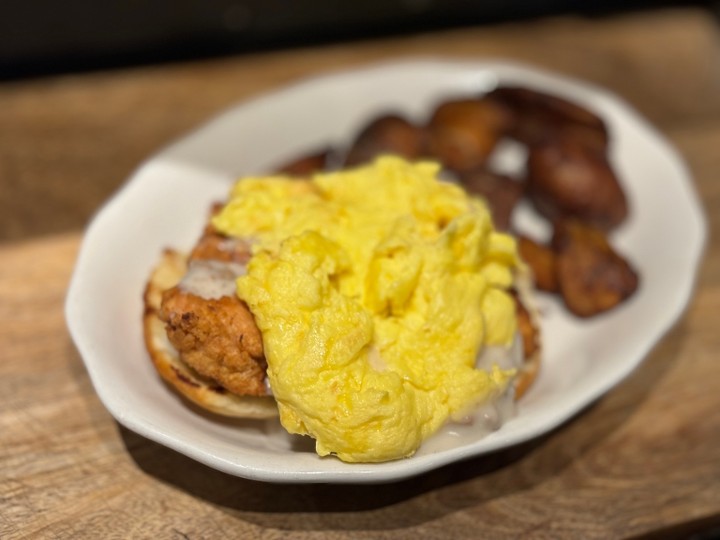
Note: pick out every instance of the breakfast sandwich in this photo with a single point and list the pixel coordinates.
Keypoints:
(366, 308)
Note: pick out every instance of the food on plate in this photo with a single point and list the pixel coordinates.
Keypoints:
(387, 134)
(204, 330)
(464, 132)
(542, 261)
(501, 192)
(370, 306)
(567, 179)
(592, 277)
(373, 305)
(538, 117)
(529, 331)
(169, 361)
(580, 265)
(307, 164)
(568, 173)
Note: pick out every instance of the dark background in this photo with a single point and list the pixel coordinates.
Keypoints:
(41, 37)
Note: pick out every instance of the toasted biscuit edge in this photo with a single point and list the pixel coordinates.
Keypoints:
(198, 389)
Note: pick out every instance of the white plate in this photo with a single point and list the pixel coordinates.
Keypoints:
(165, 204)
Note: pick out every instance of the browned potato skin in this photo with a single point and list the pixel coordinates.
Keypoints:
(567, 179)
(542, 261)
(539, 118)
(463, 133)
(306, 165)
(389, 134)
(593, 278)
(501, 193)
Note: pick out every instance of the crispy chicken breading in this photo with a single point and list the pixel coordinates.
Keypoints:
(213, 331)
(218, 338)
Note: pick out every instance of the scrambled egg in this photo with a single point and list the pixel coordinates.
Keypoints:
(375, 289)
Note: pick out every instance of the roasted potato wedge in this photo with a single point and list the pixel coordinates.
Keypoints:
(500, 191)
(592, 277)
(388, 134)
(566, 179)
(542, 262)
(538, 117)
(463, 133)
(307, 165)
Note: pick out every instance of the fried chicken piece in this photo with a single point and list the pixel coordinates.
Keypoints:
(307, 165)
(218, 338)
(217, 247)
(541, 260)
(212, 330)
(540, 118)
(501, 193)
(463, 133)
(592, 277)
(388, 134)
(566, 179)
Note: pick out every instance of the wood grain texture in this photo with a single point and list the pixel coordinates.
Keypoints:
(643, 460)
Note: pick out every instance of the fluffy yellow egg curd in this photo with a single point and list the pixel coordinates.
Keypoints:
(375, 289)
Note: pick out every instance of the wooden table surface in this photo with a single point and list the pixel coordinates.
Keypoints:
(643, 461)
